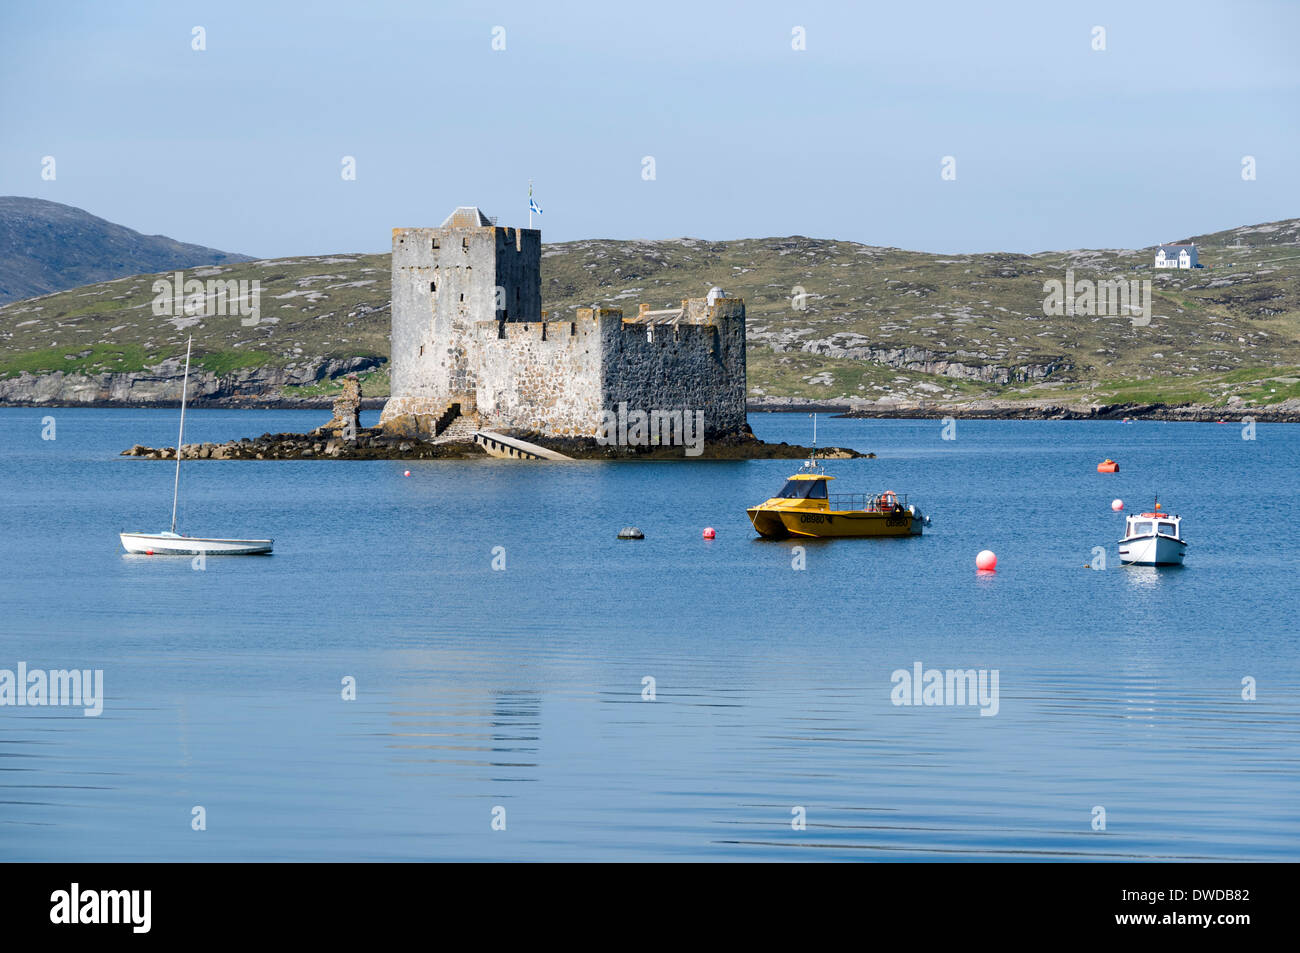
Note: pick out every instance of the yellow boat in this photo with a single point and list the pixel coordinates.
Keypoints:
(804, 507)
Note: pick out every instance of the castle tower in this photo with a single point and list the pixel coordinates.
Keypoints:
(445, 281)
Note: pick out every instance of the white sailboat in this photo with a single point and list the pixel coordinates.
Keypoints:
(173, 544)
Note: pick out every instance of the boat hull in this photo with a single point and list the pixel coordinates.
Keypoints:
(1152, 550)
(783, 524)
(167, 544)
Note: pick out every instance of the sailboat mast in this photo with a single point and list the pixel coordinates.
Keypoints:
(180, 439)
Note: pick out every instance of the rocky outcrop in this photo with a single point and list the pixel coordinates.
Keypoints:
(161, 384)
(966, 365)
(370, 444)
(376, 444)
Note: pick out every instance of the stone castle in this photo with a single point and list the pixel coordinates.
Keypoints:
(471, 343)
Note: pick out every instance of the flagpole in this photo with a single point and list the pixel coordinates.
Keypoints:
(530, 204)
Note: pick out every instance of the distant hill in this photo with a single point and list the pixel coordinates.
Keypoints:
(46, 247)
(829, 321)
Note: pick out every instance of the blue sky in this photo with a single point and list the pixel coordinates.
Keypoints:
(1056, 145)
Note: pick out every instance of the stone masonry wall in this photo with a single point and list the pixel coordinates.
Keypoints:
(691, 367)
(542, 376)
(440, 295)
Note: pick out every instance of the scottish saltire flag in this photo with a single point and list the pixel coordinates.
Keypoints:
(532, 206)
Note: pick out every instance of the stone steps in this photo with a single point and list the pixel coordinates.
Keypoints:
(461, 429)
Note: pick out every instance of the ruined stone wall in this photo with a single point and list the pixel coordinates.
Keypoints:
(542, 376)
(689, 367)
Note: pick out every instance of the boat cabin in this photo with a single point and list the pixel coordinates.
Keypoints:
(812, 491)
(805, 486)
(1152, 524)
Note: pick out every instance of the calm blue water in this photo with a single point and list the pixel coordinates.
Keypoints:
(522, 688)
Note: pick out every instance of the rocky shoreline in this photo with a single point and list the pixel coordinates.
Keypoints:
(993, 410)
(369, 444)
(738, 447)
(160, 385)
(223, 403)
(343, 438)
(375, 444)
(1288, 412)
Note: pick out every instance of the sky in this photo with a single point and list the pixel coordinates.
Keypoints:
(935, 126)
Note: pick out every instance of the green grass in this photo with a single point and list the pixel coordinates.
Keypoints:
(1154, 391)
(225, 362)
(98, 305)
(1270, 393)
(102, 358)
(1255, 386)
(374, 383)
(1250, 375)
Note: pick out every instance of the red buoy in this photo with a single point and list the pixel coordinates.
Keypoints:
(986, 561)
(407, 473)
(709, 533)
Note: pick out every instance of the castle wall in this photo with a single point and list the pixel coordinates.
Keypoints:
(540, 376)
(690, 367)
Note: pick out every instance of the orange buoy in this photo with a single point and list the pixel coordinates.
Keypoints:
(407, 473)
(986, 561)
(1108, 466)
(709, 533)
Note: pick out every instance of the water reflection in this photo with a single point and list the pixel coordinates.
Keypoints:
(451, 728)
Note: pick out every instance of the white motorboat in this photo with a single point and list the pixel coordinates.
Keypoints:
(1153, 539)
(171, 543)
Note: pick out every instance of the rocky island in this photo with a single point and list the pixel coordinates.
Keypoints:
(343, 438)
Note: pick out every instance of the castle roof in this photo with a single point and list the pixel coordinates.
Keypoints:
(467, 216)
(667, 316)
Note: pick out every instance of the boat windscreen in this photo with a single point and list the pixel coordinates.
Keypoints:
(803, 490)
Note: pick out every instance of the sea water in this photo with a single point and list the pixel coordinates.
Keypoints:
(466, 663)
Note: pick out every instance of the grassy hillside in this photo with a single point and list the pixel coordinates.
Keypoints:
(827, 320)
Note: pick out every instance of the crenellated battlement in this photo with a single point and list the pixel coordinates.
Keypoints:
(541, 330)
(468, 329)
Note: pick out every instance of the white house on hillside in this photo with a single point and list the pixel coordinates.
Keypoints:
(1176, 256)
